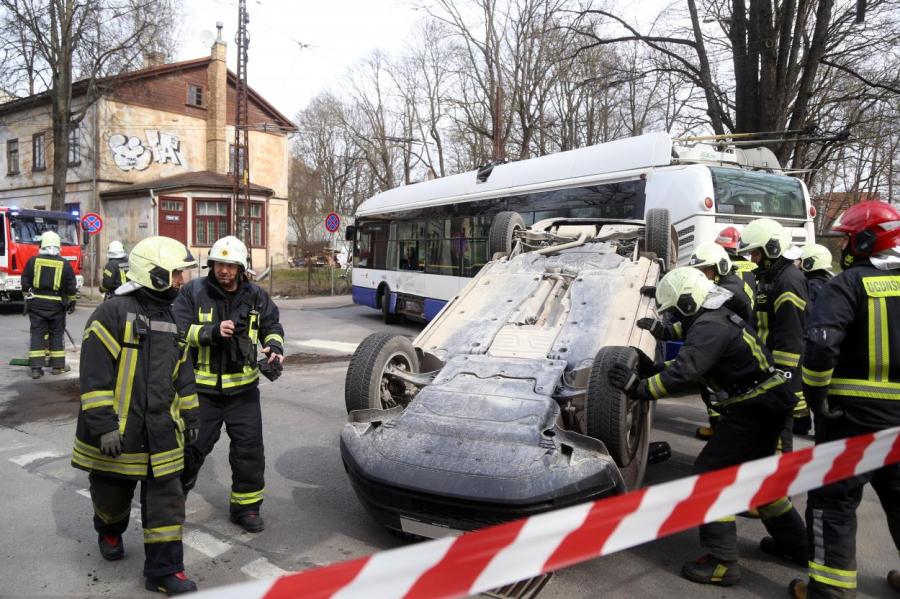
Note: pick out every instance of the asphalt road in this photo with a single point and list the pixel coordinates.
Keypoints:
(49, 549)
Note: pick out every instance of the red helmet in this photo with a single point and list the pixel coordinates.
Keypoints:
(873, 227)
(729, 238)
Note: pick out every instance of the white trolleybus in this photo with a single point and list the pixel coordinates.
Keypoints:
(416, 246)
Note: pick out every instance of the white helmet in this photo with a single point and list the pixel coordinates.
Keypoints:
(710, 253)
(229, 250)
(116, 249)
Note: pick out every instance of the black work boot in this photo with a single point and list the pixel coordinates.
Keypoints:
(795, 554)
(893, 580)
(251, 522)
(61, 369)
(797, 589)
(37, 373)
(111, 547)
(173, 584)
(711, 570)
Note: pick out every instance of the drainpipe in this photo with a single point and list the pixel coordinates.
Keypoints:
(153, 217)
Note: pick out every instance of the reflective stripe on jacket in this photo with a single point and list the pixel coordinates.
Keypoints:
(49, 277)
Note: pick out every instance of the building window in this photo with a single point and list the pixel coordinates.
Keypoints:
(242, 153)
(12, 157)
(195, 95)
(210, 221)
(74, 146)
(39, 158)
(257, 221)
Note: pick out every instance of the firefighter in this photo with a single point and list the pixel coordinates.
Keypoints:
(115, 269)
(851, 377)
(50, 285)
(780, 309)
(226, 316)
(712, 260)
(815, 262)
(729, 238)
(722, 351)
(138, 410)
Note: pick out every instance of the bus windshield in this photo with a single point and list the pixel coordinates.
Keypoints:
(28, 229)
(745, 192)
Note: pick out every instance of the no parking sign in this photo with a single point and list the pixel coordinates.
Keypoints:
(332, 222)
(91, 223)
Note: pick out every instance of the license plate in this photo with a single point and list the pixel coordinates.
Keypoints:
(423, 529)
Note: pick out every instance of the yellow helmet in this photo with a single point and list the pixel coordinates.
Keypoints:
(767, 235)
(153, 260)
(815, 257)
(229, 250)
(49, 239)
(684, 289)
(710, 253)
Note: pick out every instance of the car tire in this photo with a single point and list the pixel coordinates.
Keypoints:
(501, 236)
(386, 314)
(366, 386)
(621, 422)
(659, 237)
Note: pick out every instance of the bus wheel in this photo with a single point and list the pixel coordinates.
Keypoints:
(620, 421)
(388, 316)
(659, 237)
(368, 384)
(503, 227)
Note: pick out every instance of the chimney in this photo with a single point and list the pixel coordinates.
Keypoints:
(217, 84)
(153, 59)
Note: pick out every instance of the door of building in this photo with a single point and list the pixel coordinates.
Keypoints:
(173, 218)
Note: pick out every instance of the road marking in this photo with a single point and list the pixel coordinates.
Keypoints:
(262, 568)
(84, 493)
(340, 346)
(205, 543)
(27, 458)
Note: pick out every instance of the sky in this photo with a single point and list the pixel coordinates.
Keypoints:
(299, 48)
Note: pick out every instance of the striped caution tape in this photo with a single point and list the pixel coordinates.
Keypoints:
(500, 555)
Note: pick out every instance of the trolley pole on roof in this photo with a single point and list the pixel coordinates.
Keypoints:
(241, 166)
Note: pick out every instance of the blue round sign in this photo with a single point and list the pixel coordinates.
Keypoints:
(332, 222)
(91, 223)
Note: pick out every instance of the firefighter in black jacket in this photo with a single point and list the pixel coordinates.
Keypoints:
(780, 309)
(226, 316)
(115, 269)
(712, 260)
(49, 282)
(720, 350)
(851, 376)
(138, 410)
(815, 262)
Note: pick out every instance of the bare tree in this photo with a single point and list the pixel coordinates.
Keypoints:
(79, 40)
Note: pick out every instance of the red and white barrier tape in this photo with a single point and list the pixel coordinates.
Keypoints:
(500, 555)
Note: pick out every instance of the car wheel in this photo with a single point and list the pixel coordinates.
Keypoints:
(367, 385)
(621, 422)
(501, 236)
(659, 237)
(386, 314)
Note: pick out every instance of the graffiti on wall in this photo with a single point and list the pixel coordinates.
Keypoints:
(131, 153)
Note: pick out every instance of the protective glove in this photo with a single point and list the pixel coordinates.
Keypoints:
(802, 424)
(622, 377)
(111, 443)
(655, 327)
(271, 370)
(70, 308)
(817, 398)
(190, 435)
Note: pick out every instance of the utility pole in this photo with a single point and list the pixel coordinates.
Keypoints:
(241, 184)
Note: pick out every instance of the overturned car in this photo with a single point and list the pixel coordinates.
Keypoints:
(501, 407)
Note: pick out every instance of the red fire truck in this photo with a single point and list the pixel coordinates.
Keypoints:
(20, 239)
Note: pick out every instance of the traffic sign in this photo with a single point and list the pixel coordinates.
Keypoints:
(91, 223)
(332, 222)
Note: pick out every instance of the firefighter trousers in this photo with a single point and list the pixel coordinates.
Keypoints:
(831, 518)
(747, 432)
(48, 319)
(162, 517)
(242, 417)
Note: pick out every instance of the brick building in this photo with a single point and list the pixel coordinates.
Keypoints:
(154, 156)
